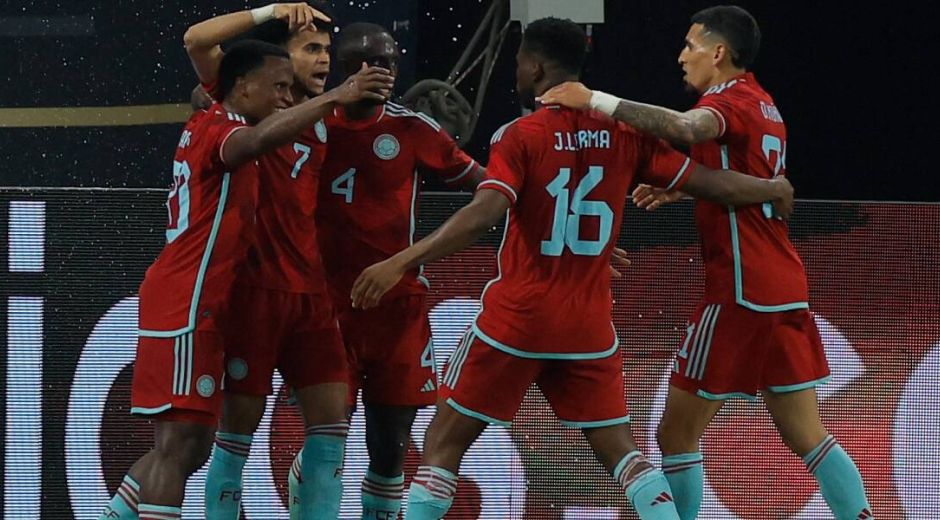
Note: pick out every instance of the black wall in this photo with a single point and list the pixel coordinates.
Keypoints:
(852, 83)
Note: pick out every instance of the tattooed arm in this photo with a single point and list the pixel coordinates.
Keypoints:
(683, 128)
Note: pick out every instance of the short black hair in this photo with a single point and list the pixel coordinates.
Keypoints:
(278, 32)
(242, 58)
(356, 31)
(560, 41)
(737, 27)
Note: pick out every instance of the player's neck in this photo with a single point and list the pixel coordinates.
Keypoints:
(724, 76)
(552, 81)
(360, 111)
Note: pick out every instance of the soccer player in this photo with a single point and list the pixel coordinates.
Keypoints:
(368, 200)
(178, 368)
(752, 332)
(561, 176)
(281, 315)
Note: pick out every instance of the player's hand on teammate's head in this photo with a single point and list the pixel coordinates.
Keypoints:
(571, 94)
(649, 198)
(783, 204)
(373, 282)
(618, 257)
(299, 15)
(369, 84)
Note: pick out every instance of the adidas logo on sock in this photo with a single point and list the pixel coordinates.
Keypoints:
(663, 498)
(865, 514)
(429, 386)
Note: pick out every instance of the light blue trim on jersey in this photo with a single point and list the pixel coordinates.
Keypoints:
(721, 397)
(736, 251)
(799, 386)
(596, 424)
(411, 226)
(685, 166)
(203, 266)
(476, 415)
(150, 411)
(499, 265)
(566, 356)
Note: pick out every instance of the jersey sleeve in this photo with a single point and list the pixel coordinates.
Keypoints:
(438, 154)
(723, 107)
(218, 128)
(505, 171)
(661, 165)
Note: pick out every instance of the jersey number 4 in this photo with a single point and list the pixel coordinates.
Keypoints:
(344, 184)
(566, 224)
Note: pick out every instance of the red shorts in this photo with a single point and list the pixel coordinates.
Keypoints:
(295, 333)
(391, 355)
(489, 384)
(177, 378)
(730, 351)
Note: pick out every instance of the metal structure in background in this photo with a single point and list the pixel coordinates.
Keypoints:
(445, 103)
(441, 99)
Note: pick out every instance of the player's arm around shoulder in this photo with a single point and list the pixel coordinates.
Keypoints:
(732, 188)
(460, 231)
(682, 128)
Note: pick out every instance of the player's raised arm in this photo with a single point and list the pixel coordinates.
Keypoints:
(374, 83)
(203, 41)
(460, 231)
(684, 128)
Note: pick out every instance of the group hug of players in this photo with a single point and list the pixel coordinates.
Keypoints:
(290, 246)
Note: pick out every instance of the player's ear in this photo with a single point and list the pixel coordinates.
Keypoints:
(720, 53)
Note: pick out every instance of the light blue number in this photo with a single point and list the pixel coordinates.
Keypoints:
(427, 357)
(684, 351)
(557, 189)
(566, 224)
(770, 143)
(344, 184)
(304, 152)
(180, 191)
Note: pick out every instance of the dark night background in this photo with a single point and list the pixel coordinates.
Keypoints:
(850, 80)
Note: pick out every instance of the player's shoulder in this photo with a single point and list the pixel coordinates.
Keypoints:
(521, 126)
(404, 115)
(215, 115)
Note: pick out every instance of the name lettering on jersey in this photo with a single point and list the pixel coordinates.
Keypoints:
(185, 138)
(770, 112)
(718, 89)
(574, 141)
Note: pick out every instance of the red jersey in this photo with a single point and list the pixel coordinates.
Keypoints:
(567, 174)
(209, 209)
(369, 191)
(286, 256)
(748, 257)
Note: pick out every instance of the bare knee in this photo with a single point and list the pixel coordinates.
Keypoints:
(388, 432)
(183, 446)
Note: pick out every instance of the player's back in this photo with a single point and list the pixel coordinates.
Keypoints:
(747, 254)
(568, 174)
(209, 208)
(285, 255)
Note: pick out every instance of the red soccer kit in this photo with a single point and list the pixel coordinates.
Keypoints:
(546, 317)
(210, 208)
(281, 315)
(752, 330)
(368, 202)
